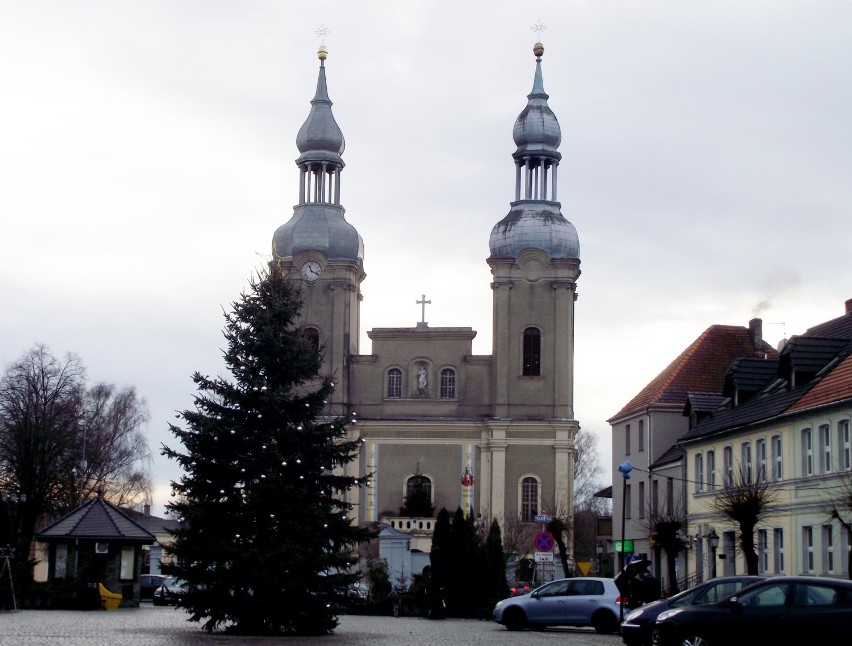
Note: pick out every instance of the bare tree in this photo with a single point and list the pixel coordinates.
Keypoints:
(746, 501)
(40, 413)
(116, 458)
(60, 442)
(665, 526)
(587, 473)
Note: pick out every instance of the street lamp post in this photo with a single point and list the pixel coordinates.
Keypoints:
(625, 470)
(713, 540)
(600, 548)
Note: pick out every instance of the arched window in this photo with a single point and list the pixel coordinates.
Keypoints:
(532, 352)
(448, 384)
(394, 383)
(311, 335)
(418, 497)
(529, 499)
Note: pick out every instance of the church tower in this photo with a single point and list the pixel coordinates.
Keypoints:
(535, 262)
(319, 249)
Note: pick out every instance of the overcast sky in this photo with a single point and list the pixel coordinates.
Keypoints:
(147, 156)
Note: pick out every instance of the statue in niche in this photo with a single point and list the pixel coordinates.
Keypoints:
(422, 382)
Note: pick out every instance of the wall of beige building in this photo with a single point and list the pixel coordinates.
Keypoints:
(798, 536)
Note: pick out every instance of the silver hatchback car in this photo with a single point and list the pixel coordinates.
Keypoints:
(581, 601)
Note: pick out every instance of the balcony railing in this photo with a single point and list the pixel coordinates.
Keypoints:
(410, 525)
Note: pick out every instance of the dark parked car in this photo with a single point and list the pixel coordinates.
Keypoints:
(782, 611)
(148, 583)
(638, 625)
(521, 587)
(581, 601)
(170, 592)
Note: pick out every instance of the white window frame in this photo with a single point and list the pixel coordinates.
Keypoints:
(808, 549)
(828, 549)
(711, 470)
(762, 551)
(447, 388)
(699, 473)
(778, 543)
(807, 452)
(844, 445)
(524, 498)
(825, 448)
(777, 458)
(760, 459)
(393, 390)
(745, 462)
(728, 466)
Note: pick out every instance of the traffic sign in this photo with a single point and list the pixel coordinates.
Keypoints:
(543, 518)
(544, 542)
(544, 557)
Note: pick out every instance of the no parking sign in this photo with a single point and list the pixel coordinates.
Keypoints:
(544, 542)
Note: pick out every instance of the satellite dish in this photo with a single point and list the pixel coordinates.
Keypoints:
(781, 344)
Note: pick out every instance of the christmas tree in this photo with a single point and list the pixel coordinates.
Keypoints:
(267, 544)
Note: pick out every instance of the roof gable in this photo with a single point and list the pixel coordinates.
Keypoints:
(700, 368)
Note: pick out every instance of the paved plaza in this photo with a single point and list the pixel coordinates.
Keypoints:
(149, 626)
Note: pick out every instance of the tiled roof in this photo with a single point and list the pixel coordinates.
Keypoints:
(153, 524)
(834, 387)
(703, 402)
(839, 328)
(699, 368)
(755, 410)
(97, 520)
(674, 453)
(749, 375)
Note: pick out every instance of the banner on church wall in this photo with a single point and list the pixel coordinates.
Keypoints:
(372, 485)
(467, 478)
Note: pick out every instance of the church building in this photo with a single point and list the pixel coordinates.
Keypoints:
(492, 434)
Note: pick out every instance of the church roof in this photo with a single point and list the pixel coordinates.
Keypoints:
(98, 520)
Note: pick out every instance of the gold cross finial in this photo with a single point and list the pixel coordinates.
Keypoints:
(538, 27)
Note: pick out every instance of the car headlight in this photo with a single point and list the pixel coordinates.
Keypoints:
(633, 614)
(668, 614)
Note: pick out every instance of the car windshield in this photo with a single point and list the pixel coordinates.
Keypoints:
(172, 582)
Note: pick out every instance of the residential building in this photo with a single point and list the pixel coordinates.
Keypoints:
(789, 428)
(645, 432)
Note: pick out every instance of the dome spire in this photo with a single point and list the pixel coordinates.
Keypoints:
(318, 222)
(535, 220)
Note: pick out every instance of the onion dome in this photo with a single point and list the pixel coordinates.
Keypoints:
(536, 128)
(318, 222)
(320, 138)
(535, 220)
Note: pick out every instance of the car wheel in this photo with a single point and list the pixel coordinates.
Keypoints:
(604, 622)
(694, 640)
(514, 619)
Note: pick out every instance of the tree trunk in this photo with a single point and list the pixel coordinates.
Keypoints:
(747, 545)
(671, 561)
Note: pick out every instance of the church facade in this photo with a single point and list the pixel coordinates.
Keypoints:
(492, 434)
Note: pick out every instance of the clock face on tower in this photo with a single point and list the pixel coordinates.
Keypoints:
(311, 271)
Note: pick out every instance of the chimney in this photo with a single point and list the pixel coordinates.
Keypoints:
(849, 306)
(146, 509)
(755, 332)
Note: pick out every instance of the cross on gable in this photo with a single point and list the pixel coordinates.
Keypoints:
(423, 303)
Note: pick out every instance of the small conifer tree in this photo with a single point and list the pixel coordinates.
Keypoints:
(267, 542)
